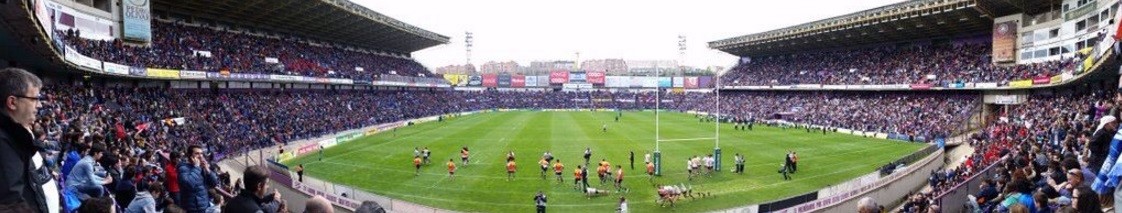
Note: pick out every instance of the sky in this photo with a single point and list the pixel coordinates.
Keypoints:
(542, 30)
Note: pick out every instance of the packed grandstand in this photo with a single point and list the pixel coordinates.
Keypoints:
(121, 124)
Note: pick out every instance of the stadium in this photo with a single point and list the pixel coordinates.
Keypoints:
(329, 106)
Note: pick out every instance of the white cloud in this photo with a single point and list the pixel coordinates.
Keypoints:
(525, 31)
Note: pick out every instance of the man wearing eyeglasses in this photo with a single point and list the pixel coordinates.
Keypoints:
(24, 174)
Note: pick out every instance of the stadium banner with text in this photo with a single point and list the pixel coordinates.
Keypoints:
(531, 81)
(806, 86)
(504, 80)
(678, 81)
(189, 74)
(475, 81)
(308, 148)
(705, 82)
(691, 83)
(163, 73)
(81, 60)
(1004, 41)
(1021, 83)
(559, 77)
(344, 202)
(138, 71)
(920, 86)
(665, 82)
(345, 81)
(1087, 64)
(284, 78)
(113, 68)
(985, 85)
(957, 85)
(635, 81)
(1057, 79)
(347, 137)
(613, 81)
(518, 81)
(596, 78)
(578, 77)
(454, 79)
(1041, 80)
(490, 80)
(137, 20)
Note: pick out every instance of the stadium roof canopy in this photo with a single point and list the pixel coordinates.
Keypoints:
(905, 21)
(339, 21)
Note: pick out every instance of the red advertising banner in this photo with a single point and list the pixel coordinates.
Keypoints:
(490, 80)
(1041, 80)
(559, 77)
(596, 77)
(921, 86)
(518, 81)
(691, 83)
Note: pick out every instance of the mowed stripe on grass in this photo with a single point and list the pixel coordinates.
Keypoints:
(383, 163)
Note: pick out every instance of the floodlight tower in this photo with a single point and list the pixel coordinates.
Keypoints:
(468, 40)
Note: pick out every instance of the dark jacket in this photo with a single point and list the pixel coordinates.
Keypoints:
(247, 202)
(1100, 147)
(21, 181)
(193, 186)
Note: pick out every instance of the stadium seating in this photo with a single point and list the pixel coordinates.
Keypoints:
(948, 63)
(1030, 143)
(179, 46)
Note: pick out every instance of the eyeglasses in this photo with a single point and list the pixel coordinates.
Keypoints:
(31, 98)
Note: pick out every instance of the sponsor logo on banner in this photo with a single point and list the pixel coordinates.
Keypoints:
(518, 81)
(596, 77)
(532, 81)
(678, 81)
(490, 80)
(475, 81)
(985, 85)
(504, 80)
(187, 74)
(137, 19)
(113, 68)
(559, 77)
(284, 78)
(138, 71)
(577, 77)
(163, 73)
(1021, 83)
(921, 86)
(1057, 79)
(81, 60)
(308, 148)
(691, 83)
(340, 81)
(1041, 80)
(1004, 41)
(705, 82)
(957, 85)
(665, 82)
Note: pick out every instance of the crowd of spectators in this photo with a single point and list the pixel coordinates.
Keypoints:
(955, 62)
(180, 46)
(1044, 153)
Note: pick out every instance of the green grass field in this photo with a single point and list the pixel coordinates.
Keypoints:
(383, 163)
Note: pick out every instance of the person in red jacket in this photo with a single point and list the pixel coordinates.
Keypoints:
(172, 176)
